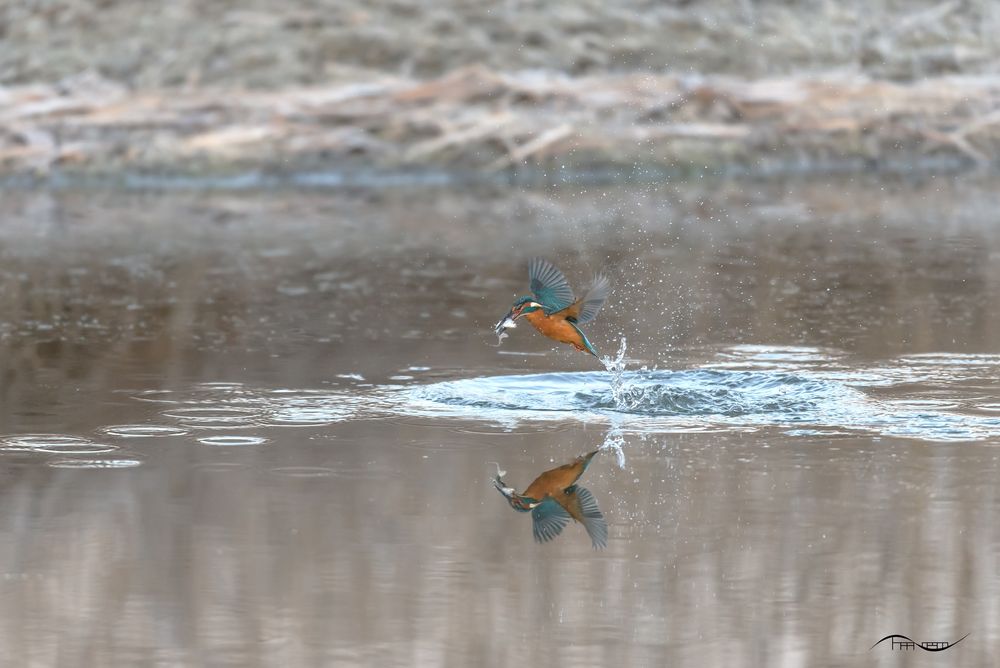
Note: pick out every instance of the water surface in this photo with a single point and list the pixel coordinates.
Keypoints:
(260, 428)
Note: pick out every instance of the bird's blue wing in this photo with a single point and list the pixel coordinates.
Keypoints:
(594, 299)
(593, 519)
(549, 285)
(548, 519)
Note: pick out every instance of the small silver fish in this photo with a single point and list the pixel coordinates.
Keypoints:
(505, 323)
(499, 483)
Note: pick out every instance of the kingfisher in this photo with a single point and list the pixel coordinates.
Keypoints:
(553, 310)
(554, 497)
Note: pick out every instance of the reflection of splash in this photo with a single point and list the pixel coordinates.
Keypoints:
(615, 442)
(908, 643)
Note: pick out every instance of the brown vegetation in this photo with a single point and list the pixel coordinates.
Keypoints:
(267, 44)
(106, 86)
(477, 119)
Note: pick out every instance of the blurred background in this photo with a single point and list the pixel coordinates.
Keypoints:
(329, 91)
(251, 400)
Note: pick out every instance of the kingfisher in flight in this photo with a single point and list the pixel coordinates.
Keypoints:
(554, 498)
(553, 309)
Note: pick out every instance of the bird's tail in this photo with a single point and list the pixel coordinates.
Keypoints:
(586, 459)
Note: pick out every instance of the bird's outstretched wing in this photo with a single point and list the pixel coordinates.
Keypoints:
(548, 519)
(549, 285)
(583, 507)
(594, 299)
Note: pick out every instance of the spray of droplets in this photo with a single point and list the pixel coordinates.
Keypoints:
(616, 367)
(615, 442)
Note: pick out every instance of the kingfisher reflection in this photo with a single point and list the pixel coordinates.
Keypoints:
(554, 498)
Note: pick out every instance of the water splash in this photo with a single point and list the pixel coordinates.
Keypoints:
(661, 401)
(794, 391)
(616, 367)
(614, 440)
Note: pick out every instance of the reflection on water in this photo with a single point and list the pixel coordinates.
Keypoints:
(256, 429)
(554, 498)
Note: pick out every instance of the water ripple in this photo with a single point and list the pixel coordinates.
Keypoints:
(234, 406)
(289, 408)
(214, 417)
(53, 444)
(695, 400)
(231, 441)
(142, 431)
(304, 471)
(797, 391)
(119, 463)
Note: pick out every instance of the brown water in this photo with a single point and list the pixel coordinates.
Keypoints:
(258, 428)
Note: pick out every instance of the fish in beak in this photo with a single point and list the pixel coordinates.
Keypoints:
(505, 323)
(510, 493)
(503, 488)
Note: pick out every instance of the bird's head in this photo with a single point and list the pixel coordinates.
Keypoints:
(521, 504)
(522, 306)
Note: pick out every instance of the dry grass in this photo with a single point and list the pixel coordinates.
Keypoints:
(108, 85)
(475, 119)
(270, 44)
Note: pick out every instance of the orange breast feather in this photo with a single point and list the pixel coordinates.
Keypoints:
(555, 327)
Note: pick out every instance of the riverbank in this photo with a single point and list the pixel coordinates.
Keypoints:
(319, 92)
(477, 122)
